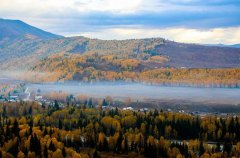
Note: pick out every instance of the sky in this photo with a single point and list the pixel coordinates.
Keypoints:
(189, 21)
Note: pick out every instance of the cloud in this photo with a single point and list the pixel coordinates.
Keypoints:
(207, 36)
(52, 6)
(96, 16)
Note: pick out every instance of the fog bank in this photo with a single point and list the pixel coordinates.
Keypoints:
(141, 92)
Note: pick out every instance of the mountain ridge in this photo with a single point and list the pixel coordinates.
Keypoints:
(16, 28)
(23, 52)
(224, 45)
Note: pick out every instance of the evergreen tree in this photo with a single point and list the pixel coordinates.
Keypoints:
(64, 152)
(119, 142)
(104, 102)
(30, 111)
(56, 105)
(35, 144)
(227, 147)
(60, 124)
(15, 128)
(218, 148)
(14, 149)
(90, 104)
(105, 145)
(4, 113)
(45, 152)
(126, 145)
(96, 154)
(201, 149)
(52, 146)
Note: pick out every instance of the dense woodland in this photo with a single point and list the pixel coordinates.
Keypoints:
(29, 129)
(139, 68)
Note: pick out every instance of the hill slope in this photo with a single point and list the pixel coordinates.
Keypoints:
(199, 56)
(12, 29)
(18, 39)
(23, 47)
(178, 54)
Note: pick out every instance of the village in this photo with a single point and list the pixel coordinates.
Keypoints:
(19, 92)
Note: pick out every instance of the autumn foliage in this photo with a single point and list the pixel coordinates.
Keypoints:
(95, 67)
(32, 130)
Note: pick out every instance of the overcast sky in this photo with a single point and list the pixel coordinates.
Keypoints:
(192, 21)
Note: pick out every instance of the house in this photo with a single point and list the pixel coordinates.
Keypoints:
(144, 109)
(128, 108)
(38, 97)
(181, 111)
(13, 97)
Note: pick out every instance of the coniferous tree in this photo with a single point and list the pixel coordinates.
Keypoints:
(15, 128)
(126, 145)
(35, 145)
(64, 152)
(119, 142)
(104, 102)
(227, 146)
(14, 149)
(52, 146)
(60, 126)
(56, 105)
(218, 148)
(96, 154)
(201, 149)
(45, 152)
(30, 111)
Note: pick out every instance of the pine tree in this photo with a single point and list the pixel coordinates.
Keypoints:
(14, 149)
(15, 128)
(35, 144)
(96, 154)
(218, 148)
(126, 145)
(201, 149)
(60, 124)
(105, 145)
(52, 146)
(56, 105)
(104, 103)
(227, 147)
(90, 104)
(45, 152)
(30, 111)
(64, 152)
(119, 142)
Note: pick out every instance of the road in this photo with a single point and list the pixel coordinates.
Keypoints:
(28, 93)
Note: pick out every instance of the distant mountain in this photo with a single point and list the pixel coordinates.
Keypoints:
(22, 46)
(224, 45)
(236, 45)
(12, 29)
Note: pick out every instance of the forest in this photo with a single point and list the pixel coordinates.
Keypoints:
(142, 68)
(81, 130)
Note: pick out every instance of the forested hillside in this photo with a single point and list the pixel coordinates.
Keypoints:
(25, 52)
(94, 67)
(22, 45)
(48, 57)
